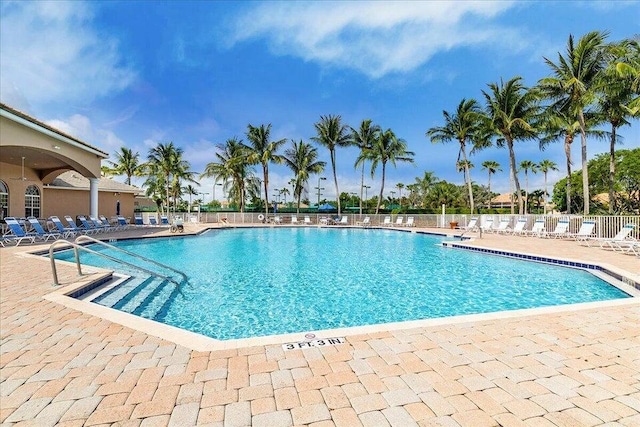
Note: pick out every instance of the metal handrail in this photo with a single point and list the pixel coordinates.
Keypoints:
(77, 246)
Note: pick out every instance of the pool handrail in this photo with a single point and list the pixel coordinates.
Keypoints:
(76, 245)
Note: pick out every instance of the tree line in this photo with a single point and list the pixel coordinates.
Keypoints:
(593, 84)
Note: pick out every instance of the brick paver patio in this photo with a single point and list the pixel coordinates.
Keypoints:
(571, 367)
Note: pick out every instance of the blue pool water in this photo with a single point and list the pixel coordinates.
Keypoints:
(265, 281)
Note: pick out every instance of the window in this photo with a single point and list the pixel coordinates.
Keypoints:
(4, 200)
(32, 201)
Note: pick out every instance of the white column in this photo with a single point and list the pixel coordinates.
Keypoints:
(93, 196)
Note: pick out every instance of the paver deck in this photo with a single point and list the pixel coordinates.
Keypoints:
(569, 367)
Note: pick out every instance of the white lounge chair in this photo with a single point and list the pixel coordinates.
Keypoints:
(561, 230)
(386, 222)
(294, 219)
(503, 226)
(487, 225)
(617, 242)
(344, 220)
(410, 222)
(585, 231)
(398, 222)
(307, 220)
(366, 222)
(537, 229)
(472, 225)
(519, 228)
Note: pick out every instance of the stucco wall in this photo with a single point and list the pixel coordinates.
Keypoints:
(10, 175)
(62, 202)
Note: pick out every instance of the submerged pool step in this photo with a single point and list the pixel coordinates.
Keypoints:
(113, 296)
(156, 300)
(137, 296)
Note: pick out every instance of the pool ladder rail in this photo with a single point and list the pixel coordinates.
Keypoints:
(77, 246)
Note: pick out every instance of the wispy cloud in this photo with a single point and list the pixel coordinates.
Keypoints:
(374, 38)
(50, 51)
(81, 127)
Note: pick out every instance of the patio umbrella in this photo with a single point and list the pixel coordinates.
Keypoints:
(326, 207)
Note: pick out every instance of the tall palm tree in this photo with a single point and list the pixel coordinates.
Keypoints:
(526, 166)
(572, 86)
(191, 191)
(364, 138)
(465, 125)
(302, 159)
(491, 166)
(512, 110)
(400, 186)
(545, 166)
(614, 94)
(232, 168)
(126, 163)
(387, 148)
(284, 191)
(166, 160)
(263, 151)
(628, 66)
(331, 134)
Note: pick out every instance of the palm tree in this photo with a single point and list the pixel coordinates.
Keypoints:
(572, 86)
(526, 166)
(331, 133)
(465, 125)
(364, 138)
(545, 166)
(400, 186)
(126, 164)
(424, 185)
(284, 191)
(614, 94)
(491, 166)
(387, 148)
(302, 159)
(461, 166)
(628, 66)
(512, 109)
(232, 168)
(191, 191)
(166, 160)
(263, 151)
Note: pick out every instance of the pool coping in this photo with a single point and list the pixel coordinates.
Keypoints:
(200, 342)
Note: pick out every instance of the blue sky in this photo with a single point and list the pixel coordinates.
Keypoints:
(197, 73)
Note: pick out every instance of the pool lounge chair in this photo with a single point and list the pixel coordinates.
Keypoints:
(164, 220)
(487, 225)
(99, 225)
(519, 228)
(16, 233)
(344, 220)
(88, 227)
(410, 222)
(294, 220)
(137, 220)
(537, 229)
(561, 230)
(122, 222)
(386, 222)
(366, 222)
(40, 232)
(585, 231)
(153, 221)
(503, 227)
(74, 227)
(307, 220)
(65, 231)
(617, 242)
(472, 225)
(398, 222)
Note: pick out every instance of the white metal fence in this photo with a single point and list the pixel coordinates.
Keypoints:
(606, 226)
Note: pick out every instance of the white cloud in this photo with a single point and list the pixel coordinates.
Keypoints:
(49, 52)
(374, 38)
(80, 127)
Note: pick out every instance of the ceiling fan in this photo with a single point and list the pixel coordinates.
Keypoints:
(22, 177)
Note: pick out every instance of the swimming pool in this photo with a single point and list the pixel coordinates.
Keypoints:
(266, 281)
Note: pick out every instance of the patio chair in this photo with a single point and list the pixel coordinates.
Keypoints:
(164, 220)
(366, 222)
(386, 222)
(153, 221)
(99, 225)
(72, 224)
(519, 228)
(137, 220)
(16, 233)
(487, 225)
(65, 231)
(398, 222)
(88, 227)
(472, 225)
(410, 222)
(561, 230)
(122, 222)
(40, 232)
(503, 227)
(585, 231)
(344, 220)
(307, 220)
(294, 219)
(620, 241)
(537, 229)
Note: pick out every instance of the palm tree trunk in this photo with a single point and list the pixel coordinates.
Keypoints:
(467, 174)
(544, 208)
(384, 168)
(265, 172)
(612, 168)
(512, 161)
(335, 177)
(526, 192)
(361, 187)
(585, 171)
(567, 152)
